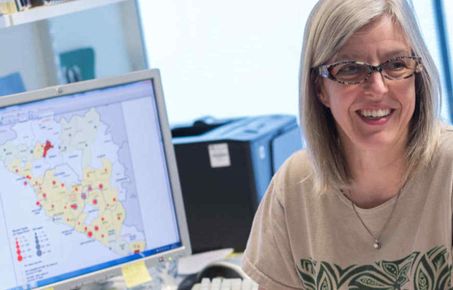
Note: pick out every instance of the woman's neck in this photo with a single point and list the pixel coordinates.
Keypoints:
(378, 175)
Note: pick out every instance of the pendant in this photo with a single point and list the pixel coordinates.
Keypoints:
(377, 244)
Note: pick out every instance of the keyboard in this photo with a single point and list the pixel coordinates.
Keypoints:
(225, 284)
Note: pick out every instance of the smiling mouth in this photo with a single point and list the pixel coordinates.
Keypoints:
(375, 114)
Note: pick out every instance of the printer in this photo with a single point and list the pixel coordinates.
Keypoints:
(225, 167)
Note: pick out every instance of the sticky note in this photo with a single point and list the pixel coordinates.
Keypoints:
(50, 288)
(135, 274)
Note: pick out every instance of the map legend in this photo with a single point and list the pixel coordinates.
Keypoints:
(31, 245)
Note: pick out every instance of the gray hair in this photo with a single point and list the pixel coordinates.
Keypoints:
(330, 24)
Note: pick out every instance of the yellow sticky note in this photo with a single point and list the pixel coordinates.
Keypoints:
(135, 274)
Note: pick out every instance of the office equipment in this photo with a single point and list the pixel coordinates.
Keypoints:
(225, 284)
(225, 167)
(226, 274)
(226, 268)
(89, 182)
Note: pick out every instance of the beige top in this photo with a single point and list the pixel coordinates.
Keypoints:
(303, 240)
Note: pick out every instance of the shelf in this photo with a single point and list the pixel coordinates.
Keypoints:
(45, 12)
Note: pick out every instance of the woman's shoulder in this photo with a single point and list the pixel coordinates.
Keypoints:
(446, 142)
(296, 170)
(443, 154)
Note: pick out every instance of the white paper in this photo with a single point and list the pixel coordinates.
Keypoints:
(195, 263)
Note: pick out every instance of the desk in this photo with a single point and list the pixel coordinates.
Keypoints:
(163, 278)
(165, 275)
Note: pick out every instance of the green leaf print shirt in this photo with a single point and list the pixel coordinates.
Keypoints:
(304, 240)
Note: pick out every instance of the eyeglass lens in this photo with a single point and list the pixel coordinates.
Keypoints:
(398, 68)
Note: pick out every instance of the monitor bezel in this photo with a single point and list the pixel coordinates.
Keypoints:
(73, 88)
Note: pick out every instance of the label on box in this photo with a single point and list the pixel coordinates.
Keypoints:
(219, 155)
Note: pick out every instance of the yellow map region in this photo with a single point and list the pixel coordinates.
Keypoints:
(76, 204)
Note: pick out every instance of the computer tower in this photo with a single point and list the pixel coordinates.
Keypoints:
(225, 167)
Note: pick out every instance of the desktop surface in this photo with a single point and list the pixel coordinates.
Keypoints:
(89, 182)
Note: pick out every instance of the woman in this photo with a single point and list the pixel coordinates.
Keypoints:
(368, 205)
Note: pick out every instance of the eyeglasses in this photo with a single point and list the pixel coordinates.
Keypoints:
(356, 72)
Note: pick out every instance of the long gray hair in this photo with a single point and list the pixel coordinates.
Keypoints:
(329, 26)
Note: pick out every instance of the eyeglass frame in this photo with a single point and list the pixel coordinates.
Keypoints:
(324, 70)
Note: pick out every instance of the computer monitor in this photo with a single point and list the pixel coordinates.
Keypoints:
(88, 182)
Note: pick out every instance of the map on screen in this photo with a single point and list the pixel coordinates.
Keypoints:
(69, 173)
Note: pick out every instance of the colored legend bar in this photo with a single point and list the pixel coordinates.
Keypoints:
(38, 246)
(18, 251)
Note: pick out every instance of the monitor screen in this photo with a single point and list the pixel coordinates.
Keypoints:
(88, 182)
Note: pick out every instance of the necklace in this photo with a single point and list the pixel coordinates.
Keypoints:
(377, 244)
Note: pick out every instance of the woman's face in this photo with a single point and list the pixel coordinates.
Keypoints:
(374, 114)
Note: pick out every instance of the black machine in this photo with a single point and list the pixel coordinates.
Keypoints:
(225, 167)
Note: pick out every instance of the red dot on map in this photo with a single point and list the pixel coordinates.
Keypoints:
(74, 206)
(90, 234)
(38, 203)
(62, 185)
(96, 228)
(102, 235)
(86, 228)
(28, 177)
(17, 170)
(54, 182)
(18, 251)
(95, 201)
(25, 183)
(100, 186)
(44, 195)
(19, 258)
(90, 188)
(84, 196)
